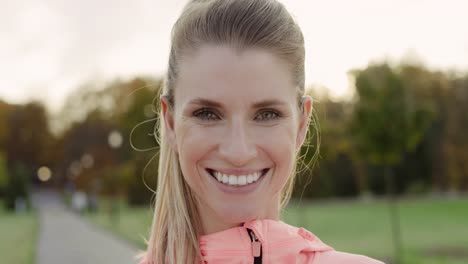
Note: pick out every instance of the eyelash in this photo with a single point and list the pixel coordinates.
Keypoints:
(202, 114)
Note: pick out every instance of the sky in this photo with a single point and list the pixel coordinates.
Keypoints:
(48, 48)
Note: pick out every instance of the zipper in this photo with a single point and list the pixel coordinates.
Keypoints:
(256, 247)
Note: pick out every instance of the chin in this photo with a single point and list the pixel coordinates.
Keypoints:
(235, 216)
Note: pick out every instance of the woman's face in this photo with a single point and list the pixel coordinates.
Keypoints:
(236, 126)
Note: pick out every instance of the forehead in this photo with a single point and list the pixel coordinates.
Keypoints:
(222, 72)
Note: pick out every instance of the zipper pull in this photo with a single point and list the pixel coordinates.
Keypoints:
(256, 248)
(256, 245)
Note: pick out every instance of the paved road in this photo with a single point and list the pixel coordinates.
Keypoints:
(66, 238)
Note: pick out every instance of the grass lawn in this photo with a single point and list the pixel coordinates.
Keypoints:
(433, 231)
(132, 224)
(18, 235)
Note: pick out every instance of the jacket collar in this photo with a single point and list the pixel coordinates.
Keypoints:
(271, 233)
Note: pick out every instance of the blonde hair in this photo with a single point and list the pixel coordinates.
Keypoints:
(242, 24)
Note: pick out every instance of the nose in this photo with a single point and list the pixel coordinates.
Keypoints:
(237, 147)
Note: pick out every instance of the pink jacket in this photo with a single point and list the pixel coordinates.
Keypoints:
(270, 241)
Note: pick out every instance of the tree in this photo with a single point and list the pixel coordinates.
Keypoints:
(3, 174)
(125, 106)
(386, 124)
(4, 113)
(27, 147)
(138, 121)
(456, 141)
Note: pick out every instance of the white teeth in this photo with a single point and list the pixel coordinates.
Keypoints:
(256, 176)
(232, 180)
(225, 178)
(242, 180)
(237, 180)
(249, 178)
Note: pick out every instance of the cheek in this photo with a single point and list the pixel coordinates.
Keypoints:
(195, 141)
(279, 140)
(192, 146)
(279, 145)
(280, 137)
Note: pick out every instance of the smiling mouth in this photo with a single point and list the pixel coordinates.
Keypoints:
(237, 180)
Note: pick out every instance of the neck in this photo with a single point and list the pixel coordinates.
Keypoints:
(212, 222)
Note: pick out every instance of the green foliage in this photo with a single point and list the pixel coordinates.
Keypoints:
(406, 117)
(4, 113)
(29, 139)
(3, 174)
(18, 186)
(142, 184)
(124, 106)
(387, 121)
(335, 173)
(139, 122)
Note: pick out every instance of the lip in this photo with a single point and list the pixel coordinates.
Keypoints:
(245, 189)
(237, 172)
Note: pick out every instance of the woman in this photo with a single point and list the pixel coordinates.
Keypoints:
(234, 116)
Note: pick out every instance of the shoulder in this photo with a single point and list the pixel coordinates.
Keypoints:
(338, 257)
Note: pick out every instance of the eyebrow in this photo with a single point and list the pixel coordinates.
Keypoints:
(259, 104)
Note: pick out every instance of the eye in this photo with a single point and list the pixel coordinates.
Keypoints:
(205, 114)
(267, 115)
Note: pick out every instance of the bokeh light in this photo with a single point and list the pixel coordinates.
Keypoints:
(87, 161)
(115, 139)
(44, 174)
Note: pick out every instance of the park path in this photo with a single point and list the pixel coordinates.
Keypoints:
(66, 238)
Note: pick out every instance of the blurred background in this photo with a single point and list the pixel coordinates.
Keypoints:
(78, 157)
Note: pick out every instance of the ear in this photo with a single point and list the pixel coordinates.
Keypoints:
(168, 119)
(304, 117)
